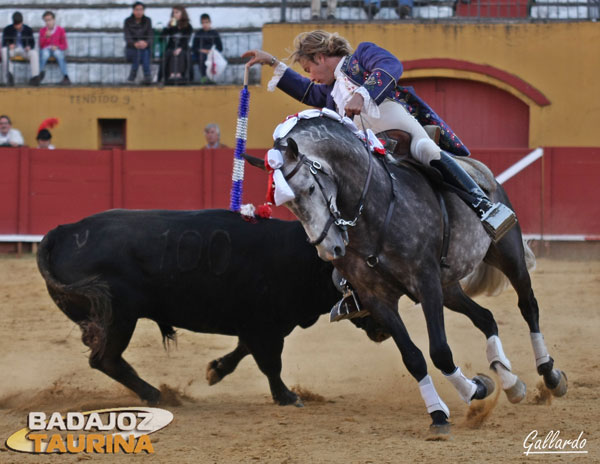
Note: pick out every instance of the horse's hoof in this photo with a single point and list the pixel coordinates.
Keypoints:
(485, 386)
(212, 375)
(561, 386)
(289, 398)
(516, 393)
(440, 424)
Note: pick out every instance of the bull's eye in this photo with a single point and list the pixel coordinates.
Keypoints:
(311, 189)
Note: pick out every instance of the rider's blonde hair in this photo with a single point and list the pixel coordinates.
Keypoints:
(309, 44)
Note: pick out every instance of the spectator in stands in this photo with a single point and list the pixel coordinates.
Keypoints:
(315, 9)
(177, 36)
(53, 42)
(9, 137)
(204, 39)
(212, 134)
(138, 38)
(17, 40)
(44, 138)
(372, 7)
(404, 8)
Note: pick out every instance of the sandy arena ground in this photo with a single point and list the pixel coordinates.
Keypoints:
(369, 409)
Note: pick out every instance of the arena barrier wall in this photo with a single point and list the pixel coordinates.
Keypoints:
(557, 195)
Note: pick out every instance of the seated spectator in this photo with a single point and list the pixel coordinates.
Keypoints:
(17, 40)
(177, 36)
(138, 38)
(404, 8)
(9, 137)
(212, 134)
(53, 42)
(44, 136)
(315, 9)
(372, 7)
(204, 40)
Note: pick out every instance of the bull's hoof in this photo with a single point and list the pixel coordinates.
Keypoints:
(152, 398)
(516, 393)
(212, 374)
(557, 382)
(440, 424)
(485, 386)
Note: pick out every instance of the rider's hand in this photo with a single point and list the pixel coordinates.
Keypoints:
(260, 57)
(354, 105)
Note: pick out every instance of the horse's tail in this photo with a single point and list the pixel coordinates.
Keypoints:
(488, 280)
(86, 302)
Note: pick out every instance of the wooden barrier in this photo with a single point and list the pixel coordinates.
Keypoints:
(40, 189)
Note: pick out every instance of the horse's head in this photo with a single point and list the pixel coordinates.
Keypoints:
(313, 184)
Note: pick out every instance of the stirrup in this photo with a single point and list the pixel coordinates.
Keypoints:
(348, 307)
(498, 220)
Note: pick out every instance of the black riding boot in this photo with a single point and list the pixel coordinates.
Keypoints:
(497, 219)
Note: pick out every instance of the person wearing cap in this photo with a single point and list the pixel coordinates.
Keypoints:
(44, 138)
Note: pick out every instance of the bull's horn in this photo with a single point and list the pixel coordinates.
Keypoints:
(254, 161)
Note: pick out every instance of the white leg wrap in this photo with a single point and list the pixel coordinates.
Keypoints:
(431, 398)
(499, 362)
(495, 353)
(539, 348)
(466, 388)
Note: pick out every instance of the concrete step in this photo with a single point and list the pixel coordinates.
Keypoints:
(75, 15)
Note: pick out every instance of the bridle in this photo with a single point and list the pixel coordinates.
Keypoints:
(335, 217)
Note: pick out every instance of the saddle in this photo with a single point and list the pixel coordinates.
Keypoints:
(397, 145)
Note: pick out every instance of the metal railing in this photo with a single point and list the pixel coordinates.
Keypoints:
(456, 10)
(99, 58)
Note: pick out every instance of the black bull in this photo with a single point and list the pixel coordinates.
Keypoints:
(206, 271)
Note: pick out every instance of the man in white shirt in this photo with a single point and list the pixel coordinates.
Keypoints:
(9, 137)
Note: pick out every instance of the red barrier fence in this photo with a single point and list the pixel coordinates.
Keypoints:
(40, 189)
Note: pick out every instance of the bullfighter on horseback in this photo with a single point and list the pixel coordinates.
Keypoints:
(365, 82)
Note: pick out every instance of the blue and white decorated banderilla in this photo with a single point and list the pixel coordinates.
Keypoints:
(241, 135)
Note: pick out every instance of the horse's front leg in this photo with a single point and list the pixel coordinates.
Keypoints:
(386, 315)
(431, 297)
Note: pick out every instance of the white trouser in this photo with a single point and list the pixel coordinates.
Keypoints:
(394, 116)
(31, 55)
(315, 7)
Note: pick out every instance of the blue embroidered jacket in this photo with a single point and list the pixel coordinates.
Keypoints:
(378, 71)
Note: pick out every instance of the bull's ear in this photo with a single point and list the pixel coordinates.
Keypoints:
(254, 161)
(292, 148)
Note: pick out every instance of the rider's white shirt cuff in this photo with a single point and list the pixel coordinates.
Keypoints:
(277, 75)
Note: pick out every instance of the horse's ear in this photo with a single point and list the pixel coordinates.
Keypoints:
(254, 161)
(292, 148)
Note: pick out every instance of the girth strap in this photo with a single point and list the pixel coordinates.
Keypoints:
(373, 260)
(445, 230)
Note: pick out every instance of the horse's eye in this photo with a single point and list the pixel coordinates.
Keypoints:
(311, 189)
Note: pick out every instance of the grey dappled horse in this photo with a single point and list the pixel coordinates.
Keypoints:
(327, 168)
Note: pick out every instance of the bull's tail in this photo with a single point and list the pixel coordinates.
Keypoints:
(488, 280)
(87, 302)
(168, 335)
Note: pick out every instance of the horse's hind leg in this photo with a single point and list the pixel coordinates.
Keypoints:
(225, 365)
(456, 300)
(110, 361)
(508, 255)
